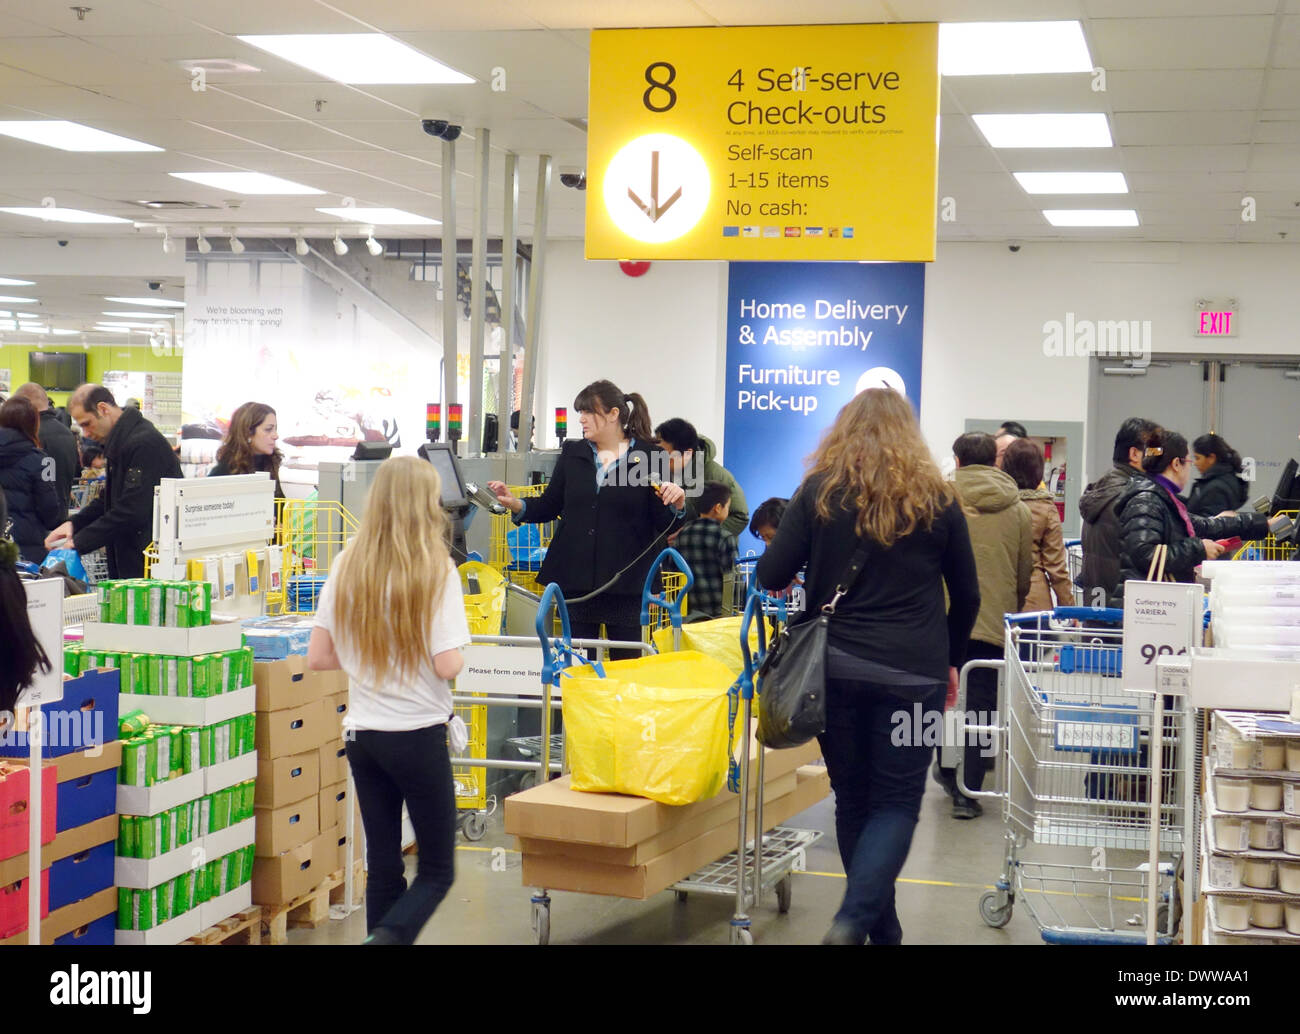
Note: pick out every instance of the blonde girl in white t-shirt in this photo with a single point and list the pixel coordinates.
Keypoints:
(392, 616)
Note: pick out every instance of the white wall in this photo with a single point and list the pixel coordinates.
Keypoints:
(664, 334)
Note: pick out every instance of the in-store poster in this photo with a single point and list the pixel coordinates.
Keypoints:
(802, 339)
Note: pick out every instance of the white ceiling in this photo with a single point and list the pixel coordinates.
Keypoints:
(1203, 98)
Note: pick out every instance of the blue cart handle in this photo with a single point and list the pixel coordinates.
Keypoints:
(674, 607)
(552, 662)
(1104, 615)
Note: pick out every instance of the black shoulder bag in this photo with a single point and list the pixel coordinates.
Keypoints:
(792, 678)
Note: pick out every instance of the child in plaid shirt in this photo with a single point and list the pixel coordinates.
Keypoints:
(711, 554)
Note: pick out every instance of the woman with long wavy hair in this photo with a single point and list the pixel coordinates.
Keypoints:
(392, 616)
(249, 445)
(892, 653)
(22, 657)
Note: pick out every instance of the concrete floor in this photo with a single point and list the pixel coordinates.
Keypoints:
(951, 864)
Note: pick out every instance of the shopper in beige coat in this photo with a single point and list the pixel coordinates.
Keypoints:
(1023, 461)
(1001, 533)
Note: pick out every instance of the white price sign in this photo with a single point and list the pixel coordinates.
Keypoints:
(45, 612)
(1161, 619)
(502, 671)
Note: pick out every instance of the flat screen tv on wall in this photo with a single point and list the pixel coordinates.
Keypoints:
(57, 371)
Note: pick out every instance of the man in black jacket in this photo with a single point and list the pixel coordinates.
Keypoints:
(57, 440)
(1099, 507)
(121, 519)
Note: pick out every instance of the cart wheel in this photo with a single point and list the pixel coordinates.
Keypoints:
(784, 891)
(744, 937)
(542, 924)
(474, 826)
(527, 781)
(1162, 920)
(681, 896)
(994, 915)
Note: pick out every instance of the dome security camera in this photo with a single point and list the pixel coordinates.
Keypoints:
(433, 126)
(63, 244)
(1013, 247)
(155, 285)
(575, 180)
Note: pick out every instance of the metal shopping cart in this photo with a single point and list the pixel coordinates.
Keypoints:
(1074, 560)
(1078, 755)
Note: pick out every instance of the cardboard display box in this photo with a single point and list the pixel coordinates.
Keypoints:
(556, 872)
(282, 781)
(66, 921)
(192, 710)
(70, 842)
(292, 730)
(280, 829)
(150, 800)
(286, 684)
(336, 707)
(15, 801)
(552, 811)
(84, 717)
(182, 928)
(227, 773)
(333, 763)
(82, 875)
(679, 834)
(279, 880)
(13, 903)
(172, 642)
(334, 807)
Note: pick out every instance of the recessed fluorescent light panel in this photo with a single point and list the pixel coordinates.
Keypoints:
(149, 315)
(1068, 130)
(385, 216)
(70, 136)
(64, 215)
(1012, 48)
(63, 331)
(16, 301)
(246, 182)
(1072, 182)
(359, 58)
(8, 281)
(166, 303)
(1091, 216)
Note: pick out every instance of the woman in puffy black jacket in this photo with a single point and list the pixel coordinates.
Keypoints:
(1220, 486)
(1152, 513)
(27, 479)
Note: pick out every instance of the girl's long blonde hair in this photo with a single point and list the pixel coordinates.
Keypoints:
(874, 460)
(388, 581)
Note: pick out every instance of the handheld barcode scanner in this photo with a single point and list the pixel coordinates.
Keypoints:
(484, 499)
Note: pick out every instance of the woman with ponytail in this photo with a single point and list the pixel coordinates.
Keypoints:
(614, 501)
(21, 655)
(1220, 486)
(1153, 514)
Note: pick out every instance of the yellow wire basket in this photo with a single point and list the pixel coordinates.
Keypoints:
(311, 534)
(1268, 548)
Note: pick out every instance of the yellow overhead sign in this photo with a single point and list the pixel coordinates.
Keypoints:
(778, 142)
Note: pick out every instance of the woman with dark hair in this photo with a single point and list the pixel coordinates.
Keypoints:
(875, 497)
(1153, 514)
(1023, 461)
(28, 479)
(1220, 486)
(613, 510)
(249, 445)
(21, 655)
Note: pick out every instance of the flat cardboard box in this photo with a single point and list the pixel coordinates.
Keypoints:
(556, 872)
(182, 928)
(150, 800)
(679, 834)
(333, 763)
(336, 706)
(287, 683)
(552, 811)
(228, 773)
(293, 730)
(282, 879)
(173, 642)
(69, 842)
(280, 829)
(282, 781)
(191, 710)
(71, 917)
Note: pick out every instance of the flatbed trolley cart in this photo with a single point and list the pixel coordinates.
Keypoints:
(1078, 754)
(753, 868)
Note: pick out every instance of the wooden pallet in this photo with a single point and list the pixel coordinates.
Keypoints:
(308, 911)
(242, 928)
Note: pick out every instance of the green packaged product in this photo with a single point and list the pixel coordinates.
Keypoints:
(221, 743)
(125, 825)
(85, 662)
(181, 821)
(177, 756)
(103, 590)
(162, 749)
(184, 893)
(150, 837)
(153, 679)
(205, 816)
(135, 762)
(163, 902)
(249, 738)
(117, 595)
(72, 660)
(142, 910)
(133, 723)
(124, 898)
(207, 743)
(220, 813)
(247, 796)
(200, 604)
(202, 676)
(191, 749)
(176, 604)
(247, 654)
(165, 844)
(155, 595)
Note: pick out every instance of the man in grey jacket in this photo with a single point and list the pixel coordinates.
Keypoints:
(1099, 508)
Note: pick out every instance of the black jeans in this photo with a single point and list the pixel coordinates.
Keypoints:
(982, 702)
(614, 633)
(877, 759)
(390, 768)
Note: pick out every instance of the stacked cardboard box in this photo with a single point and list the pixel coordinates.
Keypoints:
(301, 779)
(79, 822)
(632, 847)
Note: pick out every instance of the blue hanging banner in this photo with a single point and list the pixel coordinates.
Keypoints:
(802, 339)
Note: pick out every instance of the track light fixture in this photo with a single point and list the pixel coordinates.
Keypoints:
(236, 245)
(373, 246)
(168, 246)
(339, 247)
(203, 244)
(300, 245)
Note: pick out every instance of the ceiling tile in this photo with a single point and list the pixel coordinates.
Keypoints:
(1183, 127)
(576, 14)
(1287, 54)
(779, 12)
(1274, 158)
(1215, 159)
(979, 94)
(1182, 90)
(1147, 43)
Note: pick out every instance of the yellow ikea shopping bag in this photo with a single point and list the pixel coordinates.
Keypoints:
(654, 727)
(718, 637)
